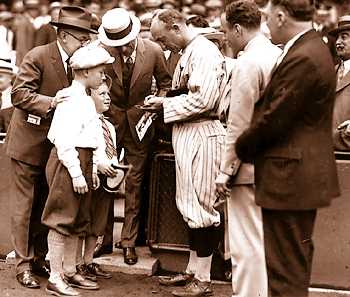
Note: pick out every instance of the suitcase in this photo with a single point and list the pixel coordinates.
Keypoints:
(167, 231)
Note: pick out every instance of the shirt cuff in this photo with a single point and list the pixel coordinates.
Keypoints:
(222, 178)
(75, 171)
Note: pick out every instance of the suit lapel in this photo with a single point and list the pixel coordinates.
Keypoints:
(58, 65)
(344, 82)
(140, 57)
(117, 64)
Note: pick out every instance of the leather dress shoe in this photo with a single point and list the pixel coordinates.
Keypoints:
(41, 268)
(83, 271)
(195, 288)
(177, 280)
(60, 288)
(28, 280)
(95, 269)
(130, 256)
(102, 250)
(79, 281)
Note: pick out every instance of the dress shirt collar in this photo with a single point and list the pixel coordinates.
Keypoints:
(346, 66)
(133, 54)
(290, 43)
(64, 55)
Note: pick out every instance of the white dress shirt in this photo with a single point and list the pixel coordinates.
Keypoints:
(133, 54)
(75, 124)
(63, 54)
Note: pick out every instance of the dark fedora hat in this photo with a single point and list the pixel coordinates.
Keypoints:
(74, 17)
(343, 24)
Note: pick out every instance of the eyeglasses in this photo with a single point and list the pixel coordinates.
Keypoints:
(83, 39)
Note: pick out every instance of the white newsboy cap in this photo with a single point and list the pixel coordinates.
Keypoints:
(90, 56)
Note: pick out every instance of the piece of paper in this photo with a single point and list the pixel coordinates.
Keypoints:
(144, 123)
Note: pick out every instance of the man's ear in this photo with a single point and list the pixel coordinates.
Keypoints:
(237, 29)
(281, 17)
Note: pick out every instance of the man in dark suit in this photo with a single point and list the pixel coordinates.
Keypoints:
(136, 61)
(43, 72)
(290, 144)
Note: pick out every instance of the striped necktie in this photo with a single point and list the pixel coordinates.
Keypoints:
(340, 72)
(110, 148)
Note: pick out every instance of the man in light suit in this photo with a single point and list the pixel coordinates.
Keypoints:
(290, 143)
(136, 61)
(341, 115)
(250, 75)
(42, 73)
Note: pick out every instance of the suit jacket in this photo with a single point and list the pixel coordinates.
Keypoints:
(150, 61)
(250, 75)
(39, 78)
(290, 139)
(45, 34)
(341, 114)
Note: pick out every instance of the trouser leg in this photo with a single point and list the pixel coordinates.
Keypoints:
(246, 242)
(289, 251)
(26, 227)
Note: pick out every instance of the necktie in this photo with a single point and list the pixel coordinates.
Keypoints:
(127, 69)
(69, 71)
(340, 72)
(110, 149)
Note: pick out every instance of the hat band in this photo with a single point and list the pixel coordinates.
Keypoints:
(73, 22)
(343, 23)
(120, 34)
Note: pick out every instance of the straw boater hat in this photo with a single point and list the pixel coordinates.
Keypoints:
(6, 67)
(118, 27)
(90, 56)
(343, 24)
(74, 17)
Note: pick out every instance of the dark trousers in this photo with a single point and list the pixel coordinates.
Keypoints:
(29, 191)
(204, 240)
(288, 251)
(108, 235)
(136, 155)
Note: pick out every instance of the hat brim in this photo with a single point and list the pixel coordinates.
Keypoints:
(336, 31)
(77, 27)
(136, 27)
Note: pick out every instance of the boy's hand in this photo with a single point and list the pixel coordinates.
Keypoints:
(79, 185)
(95, 181)
(107, 169)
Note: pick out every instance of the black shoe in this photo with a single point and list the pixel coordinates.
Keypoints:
(60, 288)
(176, 280)
(102, 250)
(83, 271)
(130, 256)
(28, 280)
(41, 268)
(95, 269)
(79, 281)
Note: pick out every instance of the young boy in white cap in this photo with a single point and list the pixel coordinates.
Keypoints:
(74, 131)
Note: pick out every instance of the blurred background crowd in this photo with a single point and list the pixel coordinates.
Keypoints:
(24, 24)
